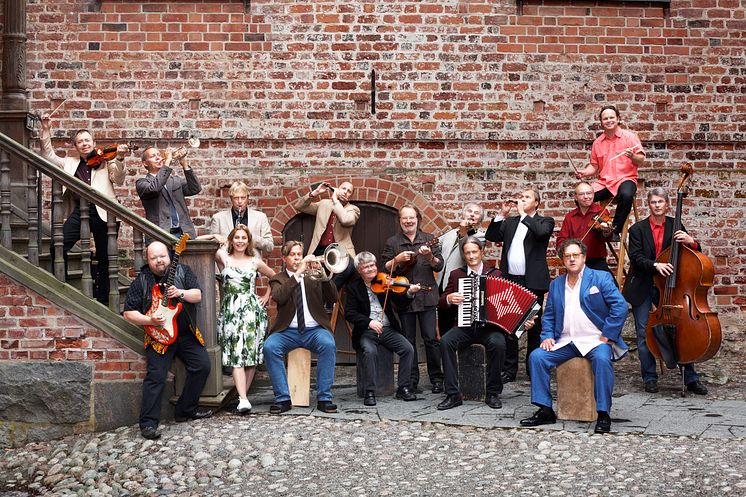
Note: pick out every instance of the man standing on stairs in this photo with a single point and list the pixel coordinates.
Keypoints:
(162, 193)
(189, 345)
(102, 179)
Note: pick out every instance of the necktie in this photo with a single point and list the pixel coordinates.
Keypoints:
(299, 307)
(174, 215)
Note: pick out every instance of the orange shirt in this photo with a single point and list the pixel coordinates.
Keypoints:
(613, 170)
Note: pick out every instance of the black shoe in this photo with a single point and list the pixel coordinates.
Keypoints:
(507, 377)
(603, 423)
(451, 401)
(280, 407)
(544, 416)
(197, 414)
(438, 387)
(697, 387)
(405, 393)
(651, 386)
(415, 388)
(150, 432)
(370, 399)
(493, 400)
(326, 406)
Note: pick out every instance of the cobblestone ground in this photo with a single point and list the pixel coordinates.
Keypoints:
(232, 456)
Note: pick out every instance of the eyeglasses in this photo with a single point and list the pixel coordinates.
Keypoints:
(572, 256)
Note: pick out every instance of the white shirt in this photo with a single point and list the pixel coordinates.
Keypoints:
(577, 328)
(478, 271)
(310, 322)
(517, 254)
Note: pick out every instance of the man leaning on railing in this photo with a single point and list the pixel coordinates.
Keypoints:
(102, 179)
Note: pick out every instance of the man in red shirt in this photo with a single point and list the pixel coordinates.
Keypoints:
(615, 156)
(577, 224)
(647, 239)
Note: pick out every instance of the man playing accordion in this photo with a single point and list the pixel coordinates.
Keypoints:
(458, 338)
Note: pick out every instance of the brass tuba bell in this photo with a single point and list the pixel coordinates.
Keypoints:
(335, 260)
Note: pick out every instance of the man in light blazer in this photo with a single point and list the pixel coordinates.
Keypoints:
(301, 322)
(162, 193)
(335, 219)
(102, 179)
(223, 222)
(583, 317)
(525, 238)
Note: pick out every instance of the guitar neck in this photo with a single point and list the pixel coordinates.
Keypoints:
(170, 278)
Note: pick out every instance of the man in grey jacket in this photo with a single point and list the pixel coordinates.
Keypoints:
(162, 194)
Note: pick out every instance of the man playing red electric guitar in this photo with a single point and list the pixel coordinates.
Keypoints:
(188, 345)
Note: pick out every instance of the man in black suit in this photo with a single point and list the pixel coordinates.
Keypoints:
(457, 338)
(647, 239)
(372, 326)
(525, 238)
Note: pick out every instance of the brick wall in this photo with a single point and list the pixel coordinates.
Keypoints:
(474, 98)
(34, 329)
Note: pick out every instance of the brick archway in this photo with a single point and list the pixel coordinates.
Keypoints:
(366, 190)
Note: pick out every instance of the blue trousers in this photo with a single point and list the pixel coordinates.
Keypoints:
(648, 369)
(318, 340)
(542, 361)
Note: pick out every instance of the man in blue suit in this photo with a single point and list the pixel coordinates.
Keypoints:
(583, 317)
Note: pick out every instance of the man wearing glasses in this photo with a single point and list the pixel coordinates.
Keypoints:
(577, 224)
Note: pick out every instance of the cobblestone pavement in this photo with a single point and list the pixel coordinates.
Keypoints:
(660, 445)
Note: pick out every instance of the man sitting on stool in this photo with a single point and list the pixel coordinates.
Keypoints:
(372, 327)
(583, 317)
(493, 339)
(301, 322)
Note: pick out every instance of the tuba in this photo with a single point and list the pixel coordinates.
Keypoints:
(335, 260)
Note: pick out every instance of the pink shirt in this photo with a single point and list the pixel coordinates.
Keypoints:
(613, 170)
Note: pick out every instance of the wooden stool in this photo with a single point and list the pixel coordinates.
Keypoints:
(299, 377)
(472, 372)
(384, 372)
(575, 398)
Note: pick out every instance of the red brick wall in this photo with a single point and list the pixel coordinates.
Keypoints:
(473, 100)
(33, 328)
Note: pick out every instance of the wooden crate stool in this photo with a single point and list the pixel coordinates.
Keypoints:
(472, 372)
(299, 377)
(575, 398)
(384, 372)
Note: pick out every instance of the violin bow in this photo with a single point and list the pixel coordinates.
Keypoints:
(572, 163)
(595, 218)
(388, 288)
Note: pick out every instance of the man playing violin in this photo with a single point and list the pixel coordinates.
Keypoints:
(373, 327)
(525, 238)
(457, 338)
(615, 156)
(416, 255)
(335, 219)
(102, 179)
(189, 345)
(162, 193)
(647, 239)
(585, 223)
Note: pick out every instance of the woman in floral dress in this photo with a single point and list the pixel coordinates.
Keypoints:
(242, 324)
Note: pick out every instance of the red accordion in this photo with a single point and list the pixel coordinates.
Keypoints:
(496, 301)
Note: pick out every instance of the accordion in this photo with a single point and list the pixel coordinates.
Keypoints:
(496, 301)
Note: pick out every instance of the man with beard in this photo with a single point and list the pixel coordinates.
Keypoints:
(189, 345)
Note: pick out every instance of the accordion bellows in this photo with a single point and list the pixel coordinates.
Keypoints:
(496, 301)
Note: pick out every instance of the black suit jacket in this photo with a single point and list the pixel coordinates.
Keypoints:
(449, 313)
(317, 294)
(642, 259)
(357, 309)
(535, 246)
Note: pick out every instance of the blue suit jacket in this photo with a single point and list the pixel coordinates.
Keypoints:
(606, 308)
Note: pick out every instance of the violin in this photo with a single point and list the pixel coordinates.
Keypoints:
(100, 155)
(398, 284)
(598, 222)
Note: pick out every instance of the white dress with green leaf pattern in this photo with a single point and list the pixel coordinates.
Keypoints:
(242, 324)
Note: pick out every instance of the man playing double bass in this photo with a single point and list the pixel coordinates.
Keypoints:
(647, 239)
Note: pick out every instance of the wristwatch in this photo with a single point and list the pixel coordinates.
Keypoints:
(181, 296)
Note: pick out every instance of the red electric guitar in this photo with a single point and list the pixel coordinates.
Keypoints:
(167, 333)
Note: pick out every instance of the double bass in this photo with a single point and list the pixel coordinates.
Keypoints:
(683, 329)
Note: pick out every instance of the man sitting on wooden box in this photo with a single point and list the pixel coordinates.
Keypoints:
(583, 317)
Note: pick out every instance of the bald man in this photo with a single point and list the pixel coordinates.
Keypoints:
(189, 345)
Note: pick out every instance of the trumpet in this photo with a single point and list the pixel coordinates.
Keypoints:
(182, 152)
(335, 260)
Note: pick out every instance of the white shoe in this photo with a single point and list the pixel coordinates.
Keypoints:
(244, 406)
